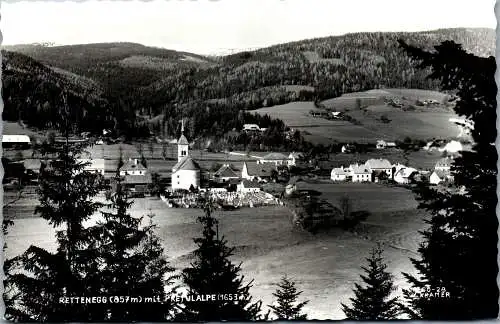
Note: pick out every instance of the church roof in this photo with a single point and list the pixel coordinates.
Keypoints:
(183, 140)
(186, 163)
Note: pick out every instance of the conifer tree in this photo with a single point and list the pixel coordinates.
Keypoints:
(213, 273)
(287, 306)
(41, 278)
(459, 252)
(373, 301)
(132, 261)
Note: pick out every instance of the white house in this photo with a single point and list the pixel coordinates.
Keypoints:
(276, 158)
(133, 167)
(381, 144)
(379, 165)
(186, 172)
(439, 176)
(360, 173)
(251, 127)
(15, 140)
(257, 171)
(246, 186)
(294, 158)
(340, 174)
(404, 175)
(93, 165)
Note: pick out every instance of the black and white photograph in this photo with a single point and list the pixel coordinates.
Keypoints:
(250, 160)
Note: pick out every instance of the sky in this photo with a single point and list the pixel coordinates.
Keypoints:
(216, 26)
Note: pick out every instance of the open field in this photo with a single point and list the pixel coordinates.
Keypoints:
(422, 123)
(269, 247)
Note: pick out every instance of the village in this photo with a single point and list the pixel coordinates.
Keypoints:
(244, 180)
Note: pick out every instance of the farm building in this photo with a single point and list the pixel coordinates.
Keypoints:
(94, 165)
(439, 176)
(381, 144)
(378, 166)
(295, 158)
(133, 167)
(247, 186)
(404, 175)
(225, 174)
(186, 172)
(276, 158)
(443, 165)
(18, 141)
(258, 171)
(360, 173)
(340, 174)
(137, 184)
(251, 127)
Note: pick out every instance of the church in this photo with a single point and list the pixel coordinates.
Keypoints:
(186, 172)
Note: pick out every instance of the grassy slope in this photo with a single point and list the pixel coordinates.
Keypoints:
(325, 266)
(420, 124)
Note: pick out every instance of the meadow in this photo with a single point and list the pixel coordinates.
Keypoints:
(422, 123)
(325, 265)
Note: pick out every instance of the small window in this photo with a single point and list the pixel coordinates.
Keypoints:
(178, 182)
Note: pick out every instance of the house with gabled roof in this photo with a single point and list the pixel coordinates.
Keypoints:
(377, 166)
(225, 174)
(360, 173)
(404, 175)
(340, 174)
(247, 186)
(133, 167)
(254, 171)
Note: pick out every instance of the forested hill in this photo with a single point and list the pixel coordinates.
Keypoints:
(153, 82)
(32, 92)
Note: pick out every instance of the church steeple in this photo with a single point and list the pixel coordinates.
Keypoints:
(182, 144)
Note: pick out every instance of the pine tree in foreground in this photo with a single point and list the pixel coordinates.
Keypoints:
(41, 278)
(459, 252)
(213, 273)
(287, 306)
(373, 302)
(132, 262)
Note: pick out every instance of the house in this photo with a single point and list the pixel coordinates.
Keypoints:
(347, 148)
(276, 158)
(225, 174)
(133, 167)
(378, 166)
(258, 171)
(18, 141)
(381, 144)
(137, 184)
(439, 176)
(251, 127)
(360, 173)
(93, 165)
(404, 175)
(443, 165)
(246, 186)
(340, 174)
(295, 158)
(186, 172)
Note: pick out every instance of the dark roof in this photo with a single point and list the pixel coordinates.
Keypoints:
(186, 163)
(130, 165)
(183, 140)
(137, 179)
(226, 172)
(250, 184)
(260, 169)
